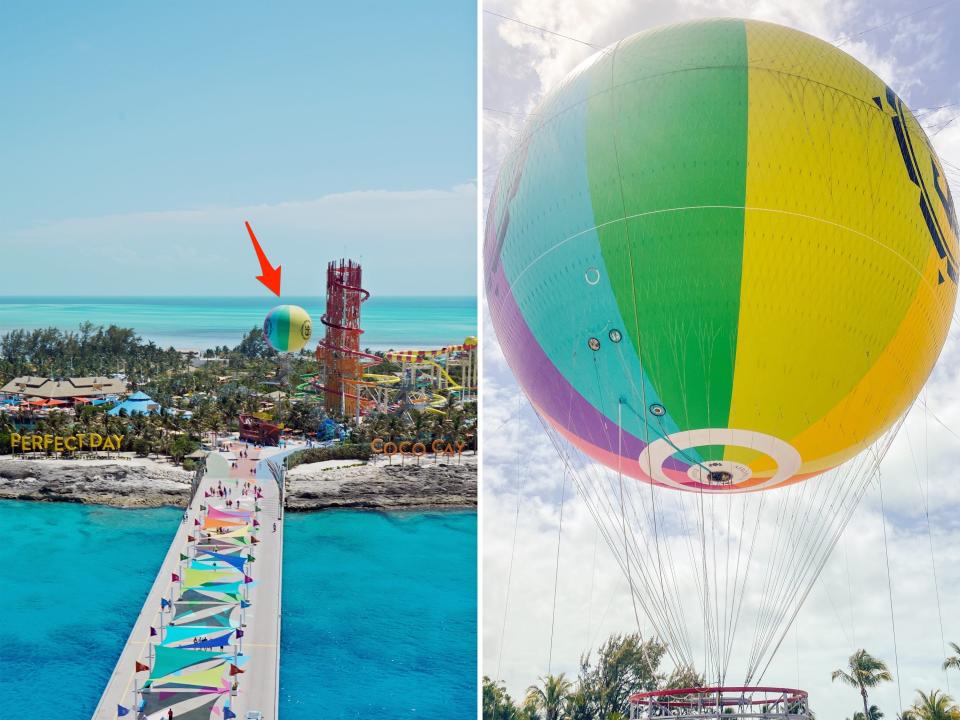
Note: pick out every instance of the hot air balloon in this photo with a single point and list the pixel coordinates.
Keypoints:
(287, 328)
(721, 262)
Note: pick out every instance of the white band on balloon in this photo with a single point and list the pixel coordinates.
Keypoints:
(659, 451)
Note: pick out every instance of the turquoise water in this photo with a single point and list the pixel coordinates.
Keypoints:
(74, 580)
(198, 323)
(379, 610)
(379, 616)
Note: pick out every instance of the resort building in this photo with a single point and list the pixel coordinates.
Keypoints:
(81, 389)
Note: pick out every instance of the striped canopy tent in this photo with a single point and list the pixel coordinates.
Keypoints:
(214, 523)
(172, 660)
(173, 636)
(239, 515)
(186, 703)
(199, 578)
(236, 561)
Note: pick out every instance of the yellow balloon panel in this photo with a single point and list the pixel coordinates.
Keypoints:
(845, 301)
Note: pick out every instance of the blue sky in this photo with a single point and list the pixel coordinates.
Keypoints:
(125, 113)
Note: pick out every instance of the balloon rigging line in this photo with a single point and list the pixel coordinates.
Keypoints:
(884, 445)
(934, 416)
(513, 549)
(893, 622)
(925, 499)
(853, 625)
(541, 29)
(836, 533)
(636, 319)
(641, 394)
(528, 114)
(811, 553)
(661, 622)
(556, 573)
(593, 579)
(844, 41)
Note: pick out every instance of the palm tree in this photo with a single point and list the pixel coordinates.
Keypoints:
(954, 660)
(866, 671)
(550, 695)
(875, 714)
(936, 705)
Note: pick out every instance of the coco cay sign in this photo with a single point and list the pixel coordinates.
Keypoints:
(407, 447)
(70, 443)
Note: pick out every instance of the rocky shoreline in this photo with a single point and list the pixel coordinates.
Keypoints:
(385, 487)
(142, 483)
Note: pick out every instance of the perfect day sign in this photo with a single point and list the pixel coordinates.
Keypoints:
(70, 443)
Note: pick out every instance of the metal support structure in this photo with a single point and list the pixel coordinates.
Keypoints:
(339, 352)
(279, 472)
(197, 477)
(721, 703)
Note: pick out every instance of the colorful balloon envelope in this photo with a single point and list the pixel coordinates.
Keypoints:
(287, 328)
(721, 257)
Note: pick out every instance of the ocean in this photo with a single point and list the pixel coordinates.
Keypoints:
(379, 609)
(197, 323)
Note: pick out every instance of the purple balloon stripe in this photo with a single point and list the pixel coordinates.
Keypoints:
(541, 379)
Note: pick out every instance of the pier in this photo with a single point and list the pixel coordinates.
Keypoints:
(206, 643)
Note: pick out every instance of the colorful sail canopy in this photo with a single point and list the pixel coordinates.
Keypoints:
(170, 660)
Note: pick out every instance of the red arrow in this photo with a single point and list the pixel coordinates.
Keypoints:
(269, 275)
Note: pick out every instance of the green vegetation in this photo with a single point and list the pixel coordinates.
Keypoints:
(935, 705)
(92, 350)
(625, 664)
(347, 451)
(953, 661)
(204, 399)
(863, 671)
(454, 425)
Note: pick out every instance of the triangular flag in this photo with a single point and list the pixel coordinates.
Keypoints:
(121, 711)
(164, 603)
(247, 579)
(234, 670)
(239, 633)
(253, 540)
(153, 632)
(250, 558)
(228, 713)
(184, 557)
(256, 523)
(244, 603)
(190, 538)
(257, 508)
(203, 507)
(140, 667)
(196, 522)
(174, 577)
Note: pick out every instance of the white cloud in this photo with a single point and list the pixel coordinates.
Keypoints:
(401, 238)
